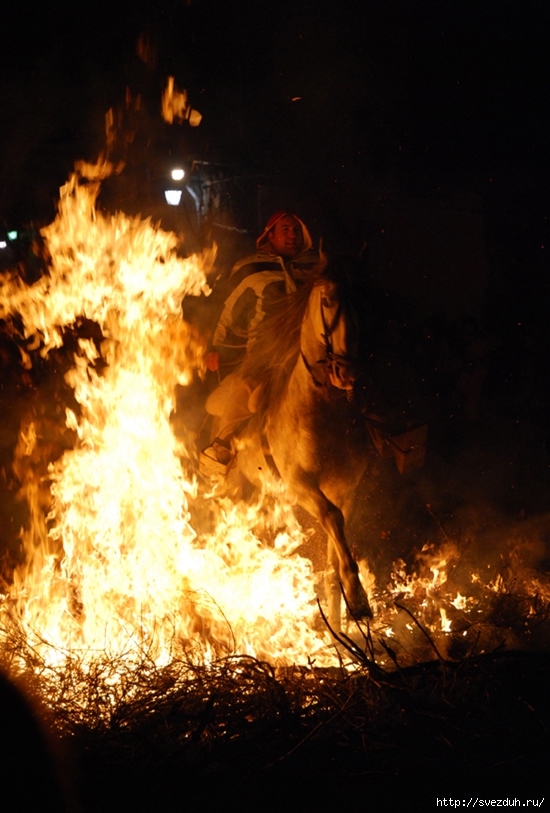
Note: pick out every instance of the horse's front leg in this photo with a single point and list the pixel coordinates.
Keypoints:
(340, 559)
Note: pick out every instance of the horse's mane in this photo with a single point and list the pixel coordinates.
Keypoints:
(277, 342)
(275, 351)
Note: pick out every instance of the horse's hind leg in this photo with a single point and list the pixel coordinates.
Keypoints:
(341, 561)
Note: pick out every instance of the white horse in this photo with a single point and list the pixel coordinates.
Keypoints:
(307, 426)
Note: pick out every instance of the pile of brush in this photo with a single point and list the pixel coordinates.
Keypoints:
(139, 737)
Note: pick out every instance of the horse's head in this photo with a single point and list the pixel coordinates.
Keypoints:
(329, 335)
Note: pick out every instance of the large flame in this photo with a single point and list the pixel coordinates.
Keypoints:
(114, 563)
(117, 566)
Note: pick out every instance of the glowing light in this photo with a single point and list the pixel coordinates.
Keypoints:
(173, 196)
(178, 174)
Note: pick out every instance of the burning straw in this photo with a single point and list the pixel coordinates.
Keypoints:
(120, 599)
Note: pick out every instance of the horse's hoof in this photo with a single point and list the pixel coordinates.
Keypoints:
(361, 611)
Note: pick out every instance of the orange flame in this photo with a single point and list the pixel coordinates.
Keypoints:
(116, 565)
(176, 106)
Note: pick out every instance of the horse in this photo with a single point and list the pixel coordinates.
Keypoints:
(307, 426)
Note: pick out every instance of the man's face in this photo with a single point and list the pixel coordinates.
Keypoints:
(286, 237)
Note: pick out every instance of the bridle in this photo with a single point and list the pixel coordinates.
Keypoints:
(336, 365)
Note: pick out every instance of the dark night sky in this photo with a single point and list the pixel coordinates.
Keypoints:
(439, 96)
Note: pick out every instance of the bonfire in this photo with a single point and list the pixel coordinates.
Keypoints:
(118, 577)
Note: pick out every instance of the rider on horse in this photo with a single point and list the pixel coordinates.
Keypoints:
(284, 259)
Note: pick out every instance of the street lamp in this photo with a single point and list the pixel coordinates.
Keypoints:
(173, 196)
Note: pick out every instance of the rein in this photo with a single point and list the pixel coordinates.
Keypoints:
(332, 361)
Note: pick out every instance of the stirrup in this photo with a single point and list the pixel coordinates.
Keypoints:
(216, 460)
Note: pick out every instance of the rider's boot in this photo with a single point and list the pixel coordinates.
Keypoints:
(217, 459)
